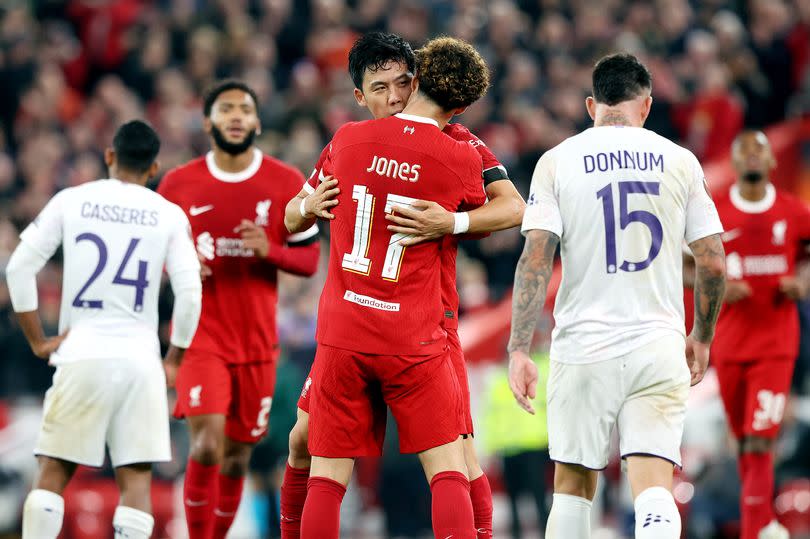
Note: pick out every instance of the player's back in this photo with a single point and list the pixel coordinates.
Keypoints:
(623, 195)
(116, 239)
(380, 297)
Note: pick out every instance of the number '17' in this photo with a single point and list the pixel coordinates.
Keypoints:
(625, 219)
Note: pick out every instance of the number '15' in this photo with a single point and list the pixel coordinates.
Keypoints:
(625, 219)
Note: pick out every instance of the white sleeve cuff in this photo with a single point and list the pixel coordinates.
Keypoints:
(187, 306)
(21, 275)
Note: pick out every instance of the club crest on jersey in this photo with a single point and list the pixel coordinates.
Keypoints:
(779, 230)
(194, 396)
(262, 211)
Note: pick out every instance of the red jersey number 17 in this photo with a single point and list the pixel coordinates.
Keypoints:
(357, 261)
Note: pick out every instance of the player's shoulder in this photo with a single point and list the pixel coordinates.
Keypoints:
(279, 167)
(791, 201)
(183, 175)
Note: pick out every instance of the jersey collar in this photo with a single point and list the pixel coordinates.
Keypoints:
(419, 119)
(746, 206)
(234, 177)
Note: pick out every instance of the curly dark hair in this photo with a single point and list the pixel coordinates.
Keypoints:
(220, 87)
(619, 77)
(451, 72)
(373, 50)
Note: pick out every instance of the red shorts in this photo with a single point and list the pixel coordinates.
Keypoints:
(351, 391)
(243, 393)
(460, 367)
(754, 394)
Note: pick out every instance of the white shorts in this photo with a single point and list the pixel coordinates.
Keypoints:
(121, 403)
(643, 393)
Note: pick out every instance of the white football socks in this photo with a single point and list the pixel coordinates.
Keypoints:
(130, 523)
(570, 518)
(42, 514)
(657, 515)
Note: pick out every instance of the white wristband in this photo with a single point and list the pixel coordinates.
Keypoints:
(302, 208)
(461, 222)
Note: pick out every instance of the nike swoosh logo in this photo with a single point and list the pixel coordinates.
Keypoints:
(730, 235)
(196, 504)
(197, 210)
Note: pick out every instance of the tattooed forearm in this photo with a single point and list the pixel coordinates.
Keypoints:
(531, 280)
(710, 285)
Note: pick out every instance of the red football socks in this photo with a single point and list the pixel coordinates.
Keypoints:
(293, 496)
(451, 508)
(481, 497)
(321, 516)
(230, 494)
(756, 499)
(199, 497)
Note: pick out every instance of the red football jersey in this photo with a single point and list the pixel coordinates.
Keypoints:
(238, 320)
(763, 241)
(492, 171)
(380, 297)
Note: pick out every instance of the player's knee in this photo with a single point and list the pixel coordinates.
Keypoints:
(54, 474)
(575, 482)
(756, 444)
(207, 448)
(299, 452)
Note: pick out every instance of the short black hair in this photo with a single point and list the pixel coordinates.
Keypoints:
(219, 87)
(373, 50)
(136, 146)
(619, 77)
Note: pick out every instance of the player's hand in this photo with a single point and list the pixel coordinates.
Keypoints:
(736, 291)
(253, 237)
(205, 269)
(793, 287)
(319, 203)
(171, 364)
(697, 358)
(523, 379)
(43, 349)
(424, 220)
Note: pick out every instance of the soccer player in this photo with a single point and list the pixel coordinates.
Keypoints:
(381, 66)
(234, 197)
(766, 231)
(380, 335)
(619, 200)
(109, 387)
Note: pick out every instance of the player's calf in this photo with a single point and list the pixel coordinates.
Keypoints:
(296, 475)
(42, 515)
(299, 452)
(657, 516)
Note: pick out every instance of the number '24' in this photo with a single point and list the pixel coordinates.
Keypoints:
(139, 283)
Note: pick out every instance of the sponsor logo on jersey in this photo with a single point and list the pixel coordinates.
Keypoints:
(738, 266)
(209, 247)
(205, 246)
(194, 211)
(391, 168)
(262, 212)
(194, 396)
(779, 231)
(367, 301)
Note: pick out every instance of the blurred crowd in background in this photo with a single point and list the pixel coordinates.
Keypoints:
(72, 70)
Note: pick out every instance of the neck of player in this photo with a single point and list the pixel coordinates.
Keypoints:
(753, 191)
(627, 113)
(127, 176)
(230, 162)
(419, 105)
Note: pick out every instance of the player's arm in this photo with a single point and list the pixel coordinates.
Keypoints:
(39, 242)
(543, 228)
(710, 286)
(427, 220)
(299, 256)
(183, 267)
(308, 206)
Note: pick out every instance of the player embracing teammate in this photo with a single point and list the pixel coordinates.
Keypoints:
(382, 67)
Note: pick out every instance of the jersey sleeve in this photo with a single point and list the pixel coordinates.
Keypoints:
(44, 234)
(493, 170)
(310, 235)
(317, 175)
(802, 221)
(543, 206)
(181, 255)
(474, 195)
(702, 219)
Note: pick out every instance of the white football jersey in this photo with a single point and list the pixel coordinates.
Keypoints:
(622, 200)
(116, 237)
